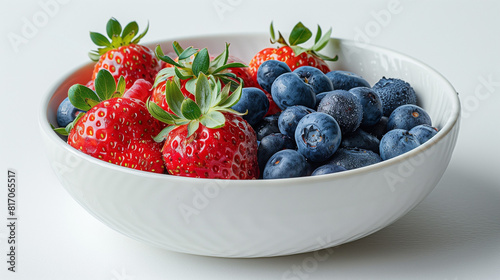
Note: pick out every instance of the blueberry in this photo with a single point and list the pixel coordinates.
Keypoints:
(361, 139)
(352, 158)
(379, 129)
(344, 107)
(318, 136)
(66, 113)
(267, 126)
(319, 97)
(255, 101)
(290, 117)
(408, 116)
(271, 144)
(286, 164)
(394, 93)
(327, 169)
(268, 71)
(397, 142)
(423, 132)
(346, 80)
(288, 90)
(315, 77)
(371, 103)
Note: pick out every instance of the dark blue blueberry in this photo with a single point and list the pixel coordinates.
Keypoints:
(423, 132)
(315, 77)
(319, 97)
(407, 117)
(290, 117)
(268, 71)
(266, 126)
(344, 107)
(362, 140)
(352, 158)
(394, 93)
(288, 90)
(66, 113)
(371, 103)
(255, 101)
(397, 142)
(328, 169)
(286, 164)
(379, 129)
(272, 144)
(318, 136)
(346, 80)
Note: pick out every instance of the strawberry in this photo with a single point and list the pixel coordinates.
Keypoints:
(122, 55)
(185, 69)
(114, 129)
(206, 139)
(292, 54)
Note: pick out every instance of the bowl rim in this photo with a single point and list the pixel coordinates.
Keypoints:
(450, 123)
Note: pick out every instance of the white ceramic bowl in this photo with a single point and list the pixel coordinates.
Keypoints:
(258, 218)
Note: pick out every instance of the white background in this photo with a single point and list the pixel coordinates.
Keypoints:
(453, 234)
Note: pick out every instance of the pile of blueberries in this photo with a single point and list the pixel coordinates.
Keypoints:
(330, 122)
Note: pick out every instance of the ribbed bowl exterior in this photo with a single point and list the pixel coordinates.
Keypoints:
(258, 218)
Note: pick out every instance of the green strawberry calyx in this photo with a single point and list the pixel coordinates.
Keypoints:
(192, 63)
(301, 34)
(117, 37)
(84, 98)
(211, 100)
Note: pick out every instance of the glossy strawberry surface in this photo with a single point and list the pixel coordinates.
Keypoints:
(119, 131)
(229, 152)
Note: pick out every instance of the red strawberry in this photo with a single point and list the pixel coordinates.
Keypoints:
(141, 89)
(292, 54)
(241, 72)
(114, 129)
(122, 56)
(228, 152)
(206, 138)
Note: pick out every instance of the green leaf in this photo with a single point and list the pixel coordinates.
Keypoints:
(99, 39)
(158, 113)
(271, 31)
(105, 84)
(174, 97)
(230, 65)
(321, 43)
(138, 38)
(61, 131)
(297, 50)
(187, 53)
(233, 98)
(131, 28)
(163, 134)
(163, 75)
(190, 110)
(166, 58)
(113, 28)
(190, 85)
(201, 62)
(181, 74)
(318, 35)
(81, 97)
(120, 87)
(326, 58)
(232, 83)
(213, 119)
(221, 59)
(299, 34)
(192, 127)
(94, 56)
(203, 93)
(177, 48)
